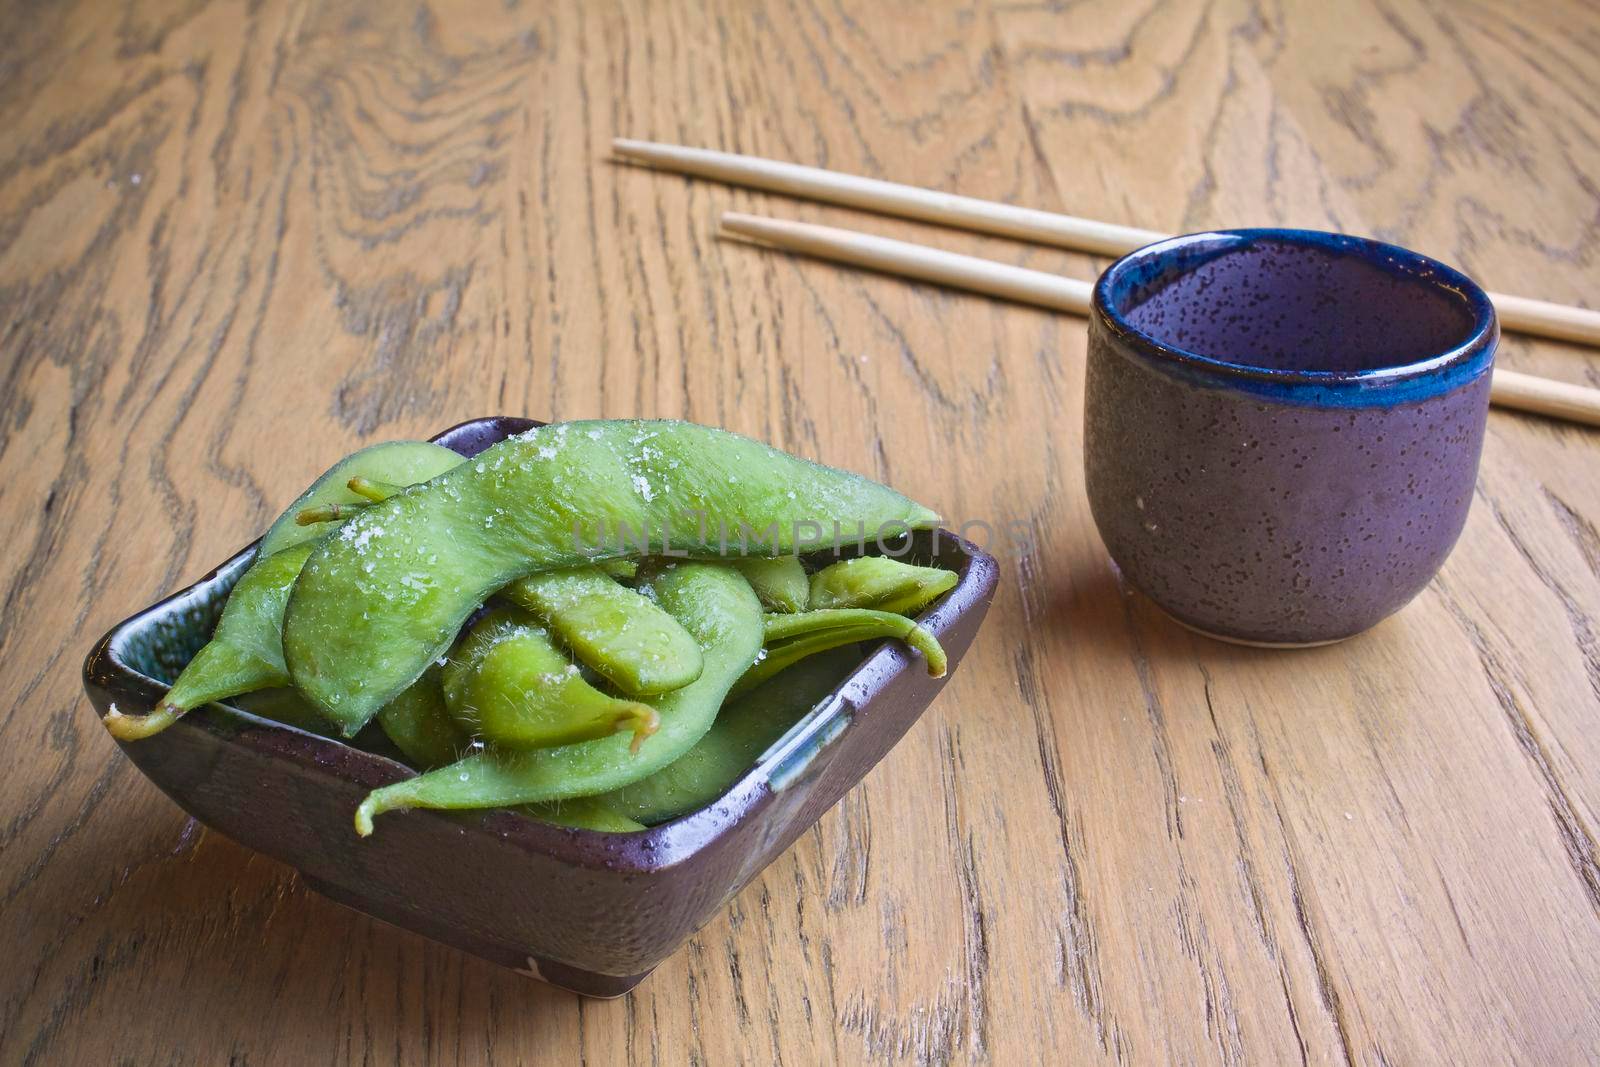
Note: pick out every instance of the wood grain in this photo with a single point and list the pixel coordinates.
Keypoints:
(240, 239)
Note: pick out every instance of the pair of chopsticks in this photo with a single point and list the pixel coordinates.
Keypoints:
(1525, 392)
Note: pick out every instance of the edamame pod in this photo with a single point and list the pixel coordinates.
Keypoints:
(248, 652)
(880, 583)
(780, 582)
(421, 727)
(245, 652)
(282, 704)
(622, 635)
(745, 728)
(394, 462)
(791, 638)
(584, 813)
(510, 685)
(383, 598)
(716, 605)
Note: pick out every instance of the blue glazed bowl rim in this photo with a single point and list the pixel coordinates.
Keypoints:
(1467, 358)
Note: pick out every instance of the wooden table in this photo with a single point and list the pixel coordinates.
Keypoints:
(238, 240)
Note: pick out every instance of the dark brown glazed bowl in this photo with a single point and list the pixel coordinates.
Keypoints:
(587, 911)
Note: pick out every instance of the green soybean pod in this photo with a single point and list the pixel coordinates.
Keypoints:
(717, 606)
(420, 726)
(282, 704)
(880, 583)
(384, 597)
(244, 653)
(397, 463)
(792, 638)
(780, 581)
(620, 634)
(745, 728)
(624, 570)
(584, 813)
(510, 685)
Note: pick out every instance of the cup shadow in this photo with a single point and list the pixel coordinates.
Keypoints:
(1092, 608)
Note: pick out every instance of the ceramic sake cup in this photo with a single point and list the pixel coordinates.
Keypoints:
(1282, 427)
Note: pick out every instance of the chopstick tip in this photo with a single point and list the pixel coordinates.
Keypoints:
(740, 223)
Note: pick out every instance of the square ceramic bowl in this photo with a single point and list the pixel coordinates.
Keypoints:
(588, 911)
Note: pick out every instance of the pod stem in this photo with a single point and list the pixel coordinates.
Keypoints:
(372, 489)
(328, 513)
(642, 719)
(369, 807)
(138, 727)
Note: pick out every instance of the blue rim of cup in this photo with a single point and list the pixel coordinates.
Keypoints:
(1439, 373)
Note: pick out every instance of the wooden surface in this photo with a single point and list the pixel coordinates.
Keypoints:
(238, 240)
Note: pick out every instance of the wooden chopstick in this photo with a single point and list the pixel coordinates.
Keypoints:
(916, 261)
(892, 198)
(1518, 313)
(1542, 396)
(1524, 392)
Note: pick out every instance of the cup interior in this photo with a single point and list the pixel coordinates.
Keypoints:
(1295, 301)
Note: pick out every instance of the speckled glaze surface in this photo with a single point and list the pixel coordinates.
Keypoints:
(591, 912)
(1282, 427)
